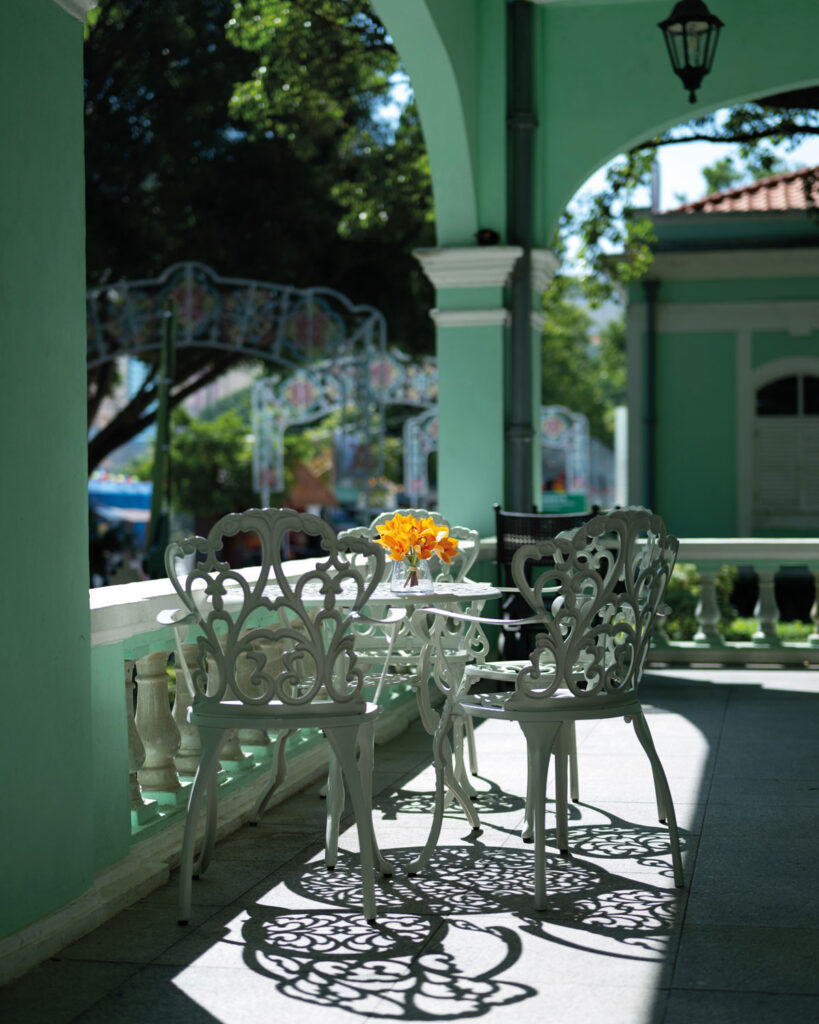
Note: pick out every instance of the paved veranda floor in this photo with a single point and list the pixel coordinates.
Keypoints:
(275, 937)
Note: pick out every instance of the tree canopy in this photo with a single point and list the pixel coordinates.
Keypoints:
(247, 135)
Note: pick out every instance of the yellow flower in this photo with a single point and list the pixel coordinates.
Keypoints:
(406, 537)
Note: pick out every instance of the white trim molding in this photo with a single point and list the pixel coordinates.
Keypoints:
(799, 318)
(77, 8)
(725, 264)
(474, 266)
(544, 267)
(470, 317)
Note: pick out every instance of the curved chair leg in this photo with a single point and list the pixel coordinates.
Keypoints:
(203, 783)
(344, 742)
(527, 833)
(562, 754)
(366, 761)
(540, 739)
(335, 808)
(574, 779)
(279, 775)
(211, 819)
(664, 801)
(459, 733)
(470, 742)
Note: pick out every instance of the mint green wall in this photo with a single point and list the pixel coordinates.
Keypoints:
(767, 346)
(771, 289)
(46, 855)
(695, 448)
(454, 52)
(674, 230)
(470, 424)
(109, 725)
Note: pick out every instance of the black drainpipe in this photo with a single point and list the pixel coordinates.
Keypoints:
(521, 128)
(650, 289)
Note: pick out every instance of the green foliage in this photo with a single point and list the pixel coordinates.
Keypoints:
(788, 632)
(722, 174)
(588, 376)
(211, 464)
(615, 240)
(246, 135)
(683, 594)
(725, 173)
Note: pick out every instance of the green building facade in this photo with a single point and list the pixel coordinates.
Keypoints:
(723, 366)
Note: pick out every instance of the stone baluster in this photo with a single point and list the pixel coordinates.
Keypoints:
(814, 610)
(707, 610)
(142, 811)
(766, 610)
(157, 730)
(190, 747)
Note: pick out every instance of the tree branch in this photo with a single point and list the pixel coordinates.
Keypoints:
(738, 138)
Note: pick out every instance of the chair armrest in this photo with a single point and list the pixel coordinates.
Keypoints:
(176, 617)
(393, 615)
(481, 620)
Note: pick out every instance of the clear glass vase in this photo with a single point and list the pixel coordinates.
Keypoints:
(412, 579)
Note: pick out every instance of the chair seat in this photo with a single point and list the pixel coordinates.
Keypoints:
(276, 715)
(563, 706)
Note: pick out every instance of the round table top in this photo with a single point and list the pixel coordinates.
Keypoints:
(312, 593)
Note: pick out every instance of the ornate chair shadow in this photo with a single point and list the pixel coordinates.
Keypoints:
(426, 953)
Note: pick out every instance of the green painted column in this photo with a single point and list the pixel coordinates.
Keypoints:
(471, 321)
(46, 854)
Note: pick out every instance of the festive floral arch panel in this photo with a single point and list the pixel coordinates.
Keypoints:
(287, 326)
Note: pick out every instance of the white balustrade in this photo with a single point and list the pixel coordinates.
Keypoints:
(707, 611)
(187, 757)
(766, 556)
(766, 610)
(142, 811)
(157, 729)
(814, 611)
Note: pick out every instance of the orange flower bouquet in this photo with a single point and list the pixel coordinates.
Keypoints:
(409, 543)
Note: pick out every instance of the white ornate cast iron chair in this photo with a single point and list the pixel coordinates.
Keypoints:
(277, 654)
(595, 608)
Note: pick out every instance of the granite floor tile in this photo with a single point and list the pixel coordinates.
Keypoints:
(58, 991)
(757, 959)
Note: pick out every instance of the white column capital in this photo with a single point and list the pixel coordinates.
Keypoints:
(474, 266)
(77, 8)
(470, 317)
(545, 265)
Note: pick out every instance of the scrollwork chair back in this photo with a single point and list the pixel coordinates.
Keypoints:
(598, 602)
(241, 617)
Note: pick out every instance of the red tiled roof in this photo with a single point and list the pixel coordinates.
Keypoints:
(779, 192)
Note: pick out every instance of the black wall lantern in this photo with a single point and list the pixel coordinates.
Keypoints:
(691, 32)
